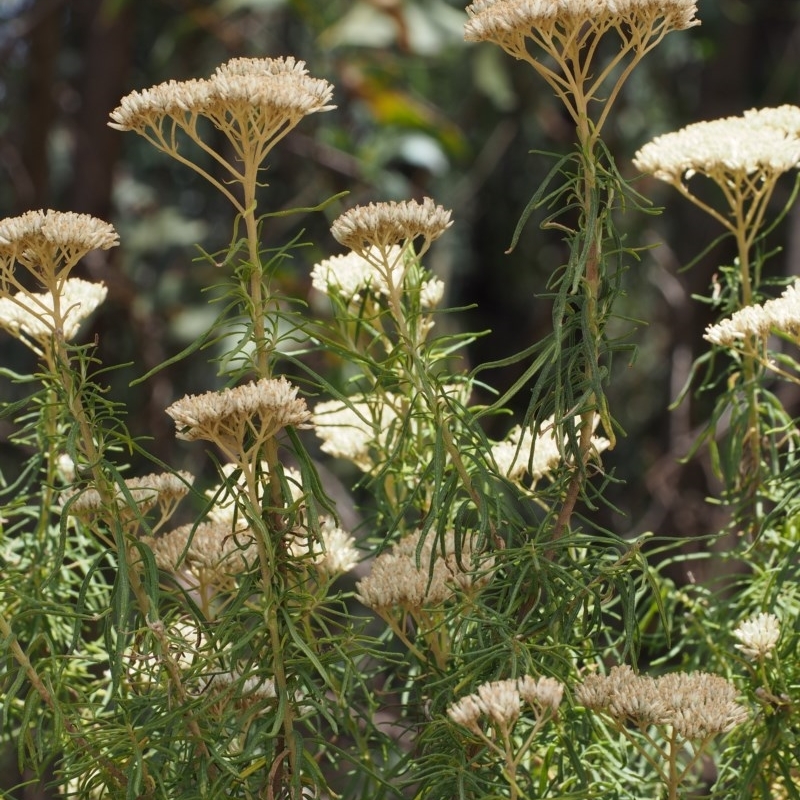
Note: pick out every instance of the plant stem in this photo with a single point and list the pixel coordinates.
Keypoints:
(78, 741)
(591, 285)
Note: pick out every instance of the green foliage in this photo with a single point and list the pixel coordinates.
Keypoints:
(152, 650)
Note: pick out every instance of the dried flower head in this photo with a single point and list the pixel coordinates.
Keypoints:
(782, 314)
(49, 243)
(543, 692)
(39, 317)
(466, 711)
(758, 635)
(416, 575)
(242, 418)
(698, 705)
(270, 94)
(730, 151)
(701, 705)
(509, 22)
(180, 101)
(501, 701)
(207, 550)
(382, 225)
(165, 489)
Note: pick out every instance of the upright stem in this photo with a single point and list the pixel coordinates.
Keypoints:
(752, 463)
(267, 564)
(58, 365)
(418, 376)
(38, 684)
(591, 285)
(673, 777)
(259, 307)
(257, 301)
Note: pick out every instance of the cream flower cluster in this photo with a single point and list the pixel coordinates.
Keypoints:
(44, 235)
(204, 550)
(34, 315)
(268, 95)
(357, 430)
(379, 226)
(724, 150)
(785, 118)
(501, 701)
(351, 275)
(48, 244)
(500, 20)
(697, 706)
(758, 636)
(259, 408)
(333, 555)
(782, 314)
(521, 454)
(416, 575)
(243, 691)
(163, 489)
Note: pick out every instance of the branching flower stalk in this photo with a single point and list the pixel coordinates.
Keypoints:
(243, 423)
(48, 244)
(746, 173)
(670, 714)
(384, 236)
(570, 35)
(254, 103)
(501, 704)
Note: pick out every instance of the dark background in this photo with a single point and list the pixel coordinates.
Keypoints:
(419, 112)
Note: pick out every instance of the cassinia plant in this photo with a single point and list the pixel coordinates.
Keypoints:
(162, 639)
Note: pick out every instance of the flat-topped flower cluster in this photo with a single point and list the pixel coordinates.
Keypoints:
(270, 93)
(424, 572)
(47, 244)
(761, 143)
(697, 705)
(781, 314)
(501, 702)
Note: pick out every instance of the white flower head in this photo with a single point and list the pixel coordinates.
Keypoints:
(38, 317)
(359, 430)
(339, 553)
(781, 313)
(758, 635)
(725, 150)
(521, 454)
(352, 275)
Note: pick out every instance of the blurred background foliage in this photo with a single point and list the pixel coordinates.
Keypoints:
(419, 112)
